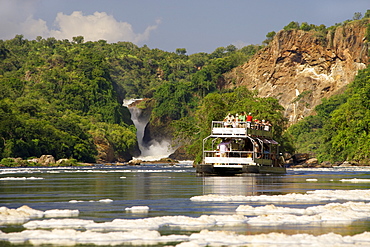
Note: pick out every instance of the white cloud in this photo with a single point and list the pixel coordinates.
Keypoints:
(97, 26)
(17, 18)
(32, 28)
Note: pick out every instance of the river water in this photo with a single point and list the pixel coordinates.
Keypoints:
(169, 205)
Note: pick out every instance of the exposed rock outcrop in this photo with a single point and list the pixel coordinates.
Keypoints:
(181, 154)
(300, 68)
(46, 159)
(105, 150)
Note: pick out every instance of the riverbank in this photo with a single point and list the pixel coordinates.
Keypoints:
(49, 161)
(305, 161)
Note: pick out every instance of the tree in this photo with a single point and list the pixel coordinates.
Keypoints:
(180, 51)
(292, 25)
(199, 59)
(357, 16)
(78, 39)
(270, 36)
(218, 52)
(367, 14)
(305, 26)
(231, 48)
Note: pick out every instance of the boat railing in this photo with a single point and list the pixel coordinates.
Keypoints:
(237, 154)
(230, 157)
(240, 128)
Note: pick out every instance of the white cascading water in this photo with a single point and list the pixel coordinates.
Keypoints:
(153, 150)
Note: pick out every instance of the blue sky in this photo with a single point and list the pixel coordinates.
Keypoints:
(196, 25)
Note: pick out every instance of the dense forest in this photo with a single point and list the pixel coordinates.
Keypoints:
(64, 98)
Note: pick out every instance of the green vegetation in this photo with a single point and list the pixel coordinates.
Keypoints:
(321, 31)
(340, 129)
(64, 98)
(55, 95)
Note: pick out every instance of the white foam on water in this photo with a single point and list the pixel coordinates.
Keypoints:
(21, 178)
(332, 213)
(57, 213)
(311, 179)
(181, 222)
(334, 169)
(267, 210)
(31, 170)
(355, 180)
(75, 201)
(153, 171)
(310, 196)
(106, 200)
(223, 238)
(144, 231)
(25, 213)
(92, 171)
(138, 209)
(59, 170)
(70, 237)
(189, 163)
(58, 224)
(19, 215)
(101, 200)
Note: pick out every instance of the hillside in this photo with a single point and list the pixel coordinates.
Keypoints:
(299, 68)
(64, 98)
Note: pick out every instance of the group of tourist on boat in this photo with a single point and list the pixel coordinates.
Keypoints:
(240, 144)
(243, 120)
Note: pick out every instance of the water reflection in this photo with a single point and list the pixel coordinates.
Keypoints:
(234, 185)
(245, 185)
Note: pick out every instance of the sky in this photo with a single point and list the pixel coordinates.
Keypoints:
(196, 25)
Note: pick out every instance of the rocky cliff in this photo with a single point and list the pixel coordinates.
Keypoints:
(300, 68)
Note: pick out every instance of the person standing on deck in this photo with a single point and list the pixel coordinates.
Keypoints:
(242, 117)
(249, 117)
(223, 147)
(249, 120)
(229, 120)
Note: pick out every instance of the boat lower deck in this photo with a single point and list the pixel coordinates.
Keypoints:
(233, 169)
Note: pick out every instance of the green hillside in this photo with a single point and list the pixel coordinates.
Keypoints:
(63, 98)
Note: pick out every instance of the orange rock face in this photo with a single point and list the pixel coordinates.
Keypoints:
(300, 68)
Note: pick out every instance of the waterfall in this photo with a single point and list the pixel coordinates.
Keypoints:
(152, 150)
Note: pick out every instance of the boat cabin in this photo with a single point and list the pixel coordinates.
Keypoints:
(244, 147)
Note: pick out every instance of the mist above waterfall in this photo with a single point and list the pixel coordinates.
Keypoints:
(153, 149)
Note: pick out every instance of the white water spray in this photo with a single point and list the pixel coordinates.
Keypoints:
(154, 150)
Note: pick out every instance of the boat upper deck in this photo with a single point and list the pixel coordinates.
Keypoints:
(241, 129)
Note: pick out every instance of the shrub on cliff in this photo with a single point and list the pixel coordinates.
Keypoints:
(340, 131)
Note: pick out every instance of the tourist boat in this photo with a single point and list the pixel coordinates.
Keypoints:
(250, 149)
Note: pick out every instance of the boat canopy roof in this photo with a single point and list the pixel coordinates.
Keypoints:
(241, 129)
